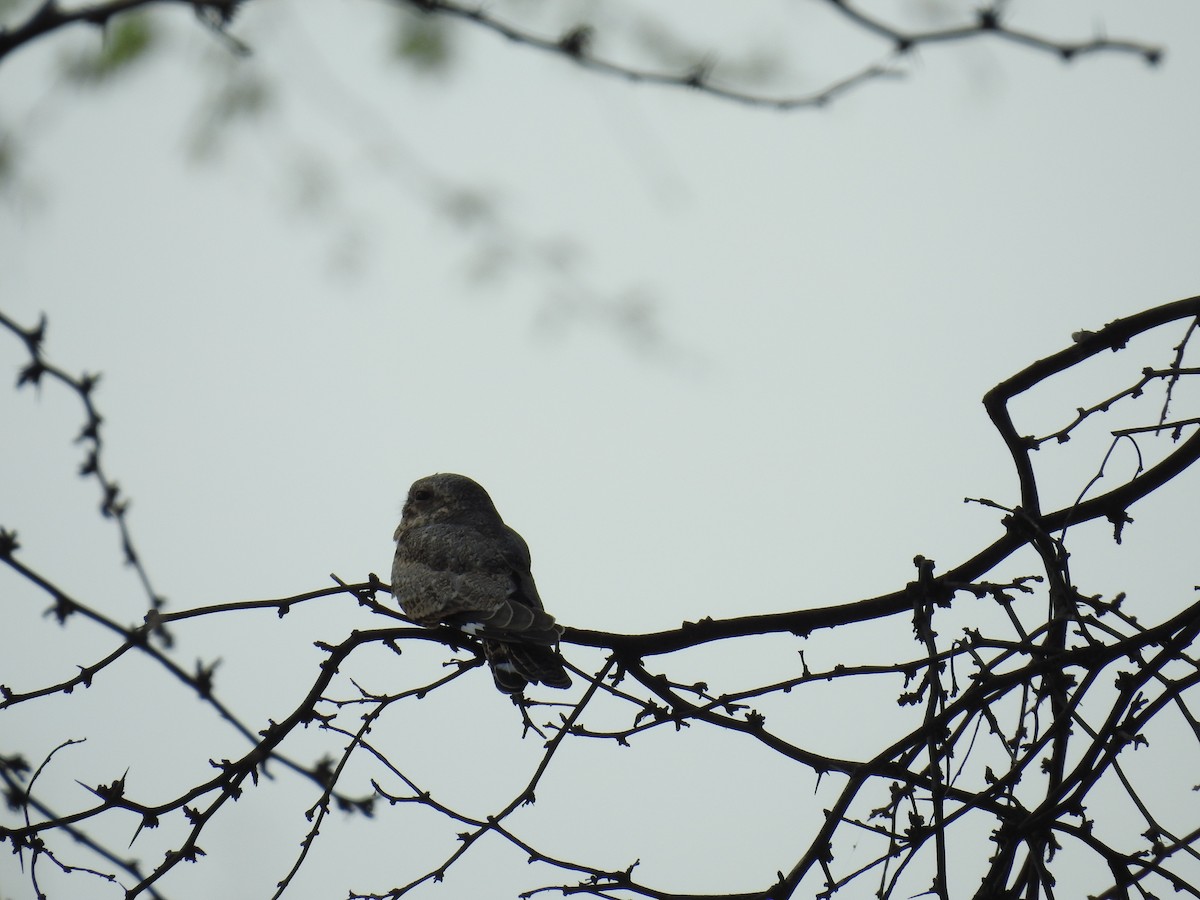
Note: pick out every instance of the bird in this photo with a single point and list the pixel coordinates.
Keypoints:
(458, 564)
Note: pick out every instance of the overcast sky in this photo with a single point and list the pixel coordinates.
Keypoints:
(291, 330)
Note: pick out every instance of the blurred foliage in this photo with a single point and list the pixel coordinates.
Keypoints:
(127, 40)
(7, 157)
(242, 94)
(6, 8)
(423, 42)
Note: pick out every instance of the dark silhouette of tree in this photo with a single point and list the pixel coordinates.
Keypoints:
(1035, 724)
(1018, 724)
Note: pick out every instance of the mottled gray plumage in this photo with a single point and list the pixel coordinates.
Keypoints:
(458, 564)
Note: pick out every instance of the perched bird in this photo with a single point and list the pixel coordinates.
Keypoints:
(458, 564)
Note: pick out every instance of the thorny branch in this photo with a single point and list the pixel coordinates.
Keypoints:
(1027, 721)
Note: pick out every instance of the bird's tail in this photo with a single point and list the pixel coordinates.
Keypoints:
(516, 665)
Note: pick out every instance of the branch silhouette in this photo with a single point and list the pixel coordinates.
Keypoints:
(577, 43)
(1024, 720)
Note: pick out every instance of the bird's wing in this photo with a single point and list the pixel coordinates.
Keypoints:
(522, 616)
(475, 579)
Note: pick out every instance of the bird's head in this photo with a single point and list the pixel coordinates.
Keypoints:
(448, 498)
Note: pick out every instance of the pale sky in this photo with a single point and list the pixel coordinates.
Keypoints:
(836, 291)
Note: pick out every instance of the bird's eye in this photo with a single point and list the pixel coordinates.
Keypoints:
(422, 494)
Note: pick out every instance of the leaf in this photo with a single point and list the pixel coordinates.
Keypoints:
(126, 40)
(422, 42)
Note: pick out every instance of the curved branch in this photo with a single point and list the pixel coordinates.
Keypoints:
(1111, 505)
